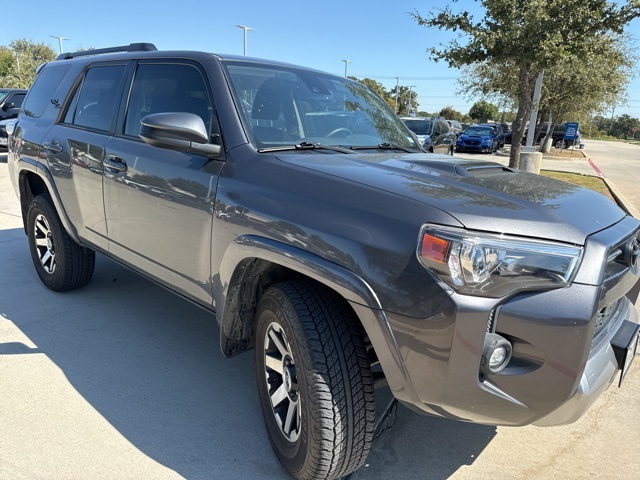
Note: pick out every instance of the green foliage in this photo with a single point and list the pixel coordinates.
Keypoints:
(527, 37)
(407, 100)
(622, 127)
(19, 60)
(484, 109)
(450, 114)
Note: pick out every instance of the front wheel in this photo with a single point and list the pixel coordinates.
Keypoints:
(314, 381)
(60, 262)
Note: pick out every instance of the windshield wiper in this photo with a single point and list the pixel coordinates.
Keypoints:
(305, 146)
(382, 146)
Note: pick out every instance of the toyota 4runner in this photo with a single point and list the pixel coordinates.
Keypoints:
(297, 208)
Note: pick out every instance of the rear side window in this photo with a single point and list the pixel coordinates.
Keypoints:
(42, 90)
(161, 88)
(96, 98)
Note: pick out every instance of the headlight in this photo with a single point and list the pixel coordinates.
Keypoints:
(486, 141)
(491, 265)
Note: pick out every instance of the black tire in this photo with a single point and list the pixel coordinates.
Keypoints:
(561, 144)
(321, 363)
(60, 262)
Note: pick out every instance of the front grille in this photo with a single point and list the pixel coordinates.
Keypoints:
(604, 319)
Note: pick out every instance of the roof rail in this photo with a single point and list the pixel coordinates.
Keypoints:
(132, 47)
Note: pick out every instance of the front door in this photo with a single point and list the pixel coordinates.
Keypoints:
(158, 202)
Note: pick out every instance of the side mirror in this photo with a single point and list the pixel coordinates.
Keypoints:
(181, 131)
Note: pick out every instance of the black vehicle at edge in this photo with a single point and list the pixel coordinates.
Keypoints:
(297, 208)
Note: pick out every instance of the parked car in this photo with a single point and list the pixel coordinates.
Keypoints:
(506, 128)
(478, 138)
(456, 126)
(5, 129)
(10, 102)
(557, 136)
(435, 134)
(297, 208)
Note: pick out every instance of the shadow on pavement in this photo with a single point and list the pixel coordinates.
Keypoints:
(150, 364)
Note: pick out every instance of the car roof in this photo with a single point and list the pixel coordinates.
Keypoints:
(148, 50)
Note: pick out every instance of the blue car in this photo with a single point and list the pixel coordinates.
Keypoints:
(478, 138)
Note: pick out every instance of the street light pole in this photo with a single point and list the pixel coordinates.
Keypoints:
(245, 36)
(346, 62)
(60, 39)
(397, 87)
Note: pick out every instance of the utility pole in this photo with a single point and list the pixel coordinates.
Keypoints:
(60, 39)
(531, 132)
(245, 36)
(346, 62)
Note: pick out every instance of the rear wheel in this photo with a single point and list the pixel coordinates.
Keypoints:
(314, 381)
(60, 262)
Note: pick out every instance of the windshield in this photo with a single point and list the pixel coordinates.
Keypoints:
(3, 94)
(288, 106)
(419, 127)
(478, 131)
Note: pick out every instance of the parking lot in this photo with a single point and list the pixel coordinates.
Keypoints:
(122, 380)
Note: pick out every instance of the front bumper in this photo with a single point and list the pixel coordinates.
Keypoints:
(563, 357)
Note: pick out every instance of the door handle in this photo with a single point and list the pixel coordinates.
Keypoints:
(52, 146)
(113, 164)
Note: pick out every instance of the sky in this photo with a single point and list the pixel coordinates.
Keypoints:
(380, 39)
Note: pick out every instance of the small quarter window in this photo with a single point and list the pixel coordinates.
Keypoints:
(42, 90)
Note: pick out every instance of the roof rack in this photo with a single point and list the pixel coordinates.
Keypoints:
(132, 47)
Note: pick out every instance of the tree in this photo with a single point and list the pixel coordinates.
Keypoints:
(527, 36)
(622, 126)
(483, 109)
(19, 60)
(407, 100)
(450, 114)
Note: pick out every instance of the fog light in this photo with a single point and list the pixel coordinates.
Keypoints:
(496, 353)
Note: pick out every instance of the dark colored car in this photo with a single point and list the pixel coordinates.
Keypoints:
(297, 208)
(506, 128)
(10, 102)
(557, 135)
(435, 134)
(479, 138)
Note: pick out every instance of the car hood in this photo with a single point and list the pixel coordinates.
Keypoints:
(464, 136)
(481, 195)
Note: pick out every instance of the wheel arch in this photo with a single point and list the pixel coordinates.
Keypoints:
(35, 179)
(253, 263)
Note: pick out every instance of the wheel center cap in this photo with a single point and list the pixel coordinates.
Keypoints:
(287, 380)
(49, 243)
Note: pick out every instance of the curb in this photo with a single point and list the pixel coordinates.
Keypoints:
(624, 203)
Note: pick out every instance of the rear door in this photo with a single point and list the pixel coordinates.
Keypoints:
(159, 202)
(75, 147)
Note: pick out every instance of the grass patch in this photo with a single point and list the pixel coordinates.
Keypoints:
(566, 153)
(594, 183)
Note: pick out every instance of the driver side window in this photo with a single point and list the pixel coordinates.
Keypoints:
(159, 88)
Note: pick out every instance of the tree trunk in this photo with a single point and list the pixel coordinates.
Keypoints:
(525, 103)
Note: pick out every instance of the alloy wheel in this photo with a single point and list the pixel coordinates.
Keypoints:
(44, 244)
(282, 382)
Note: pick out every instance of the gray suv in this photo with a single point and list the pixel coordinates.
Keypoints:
(296, 207)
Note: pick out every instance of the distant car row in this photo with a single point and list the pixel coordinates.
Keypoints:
(437, 135)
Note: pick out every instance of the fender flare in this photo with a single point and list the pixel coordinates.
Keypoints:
(42, 172)
(344, 282)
